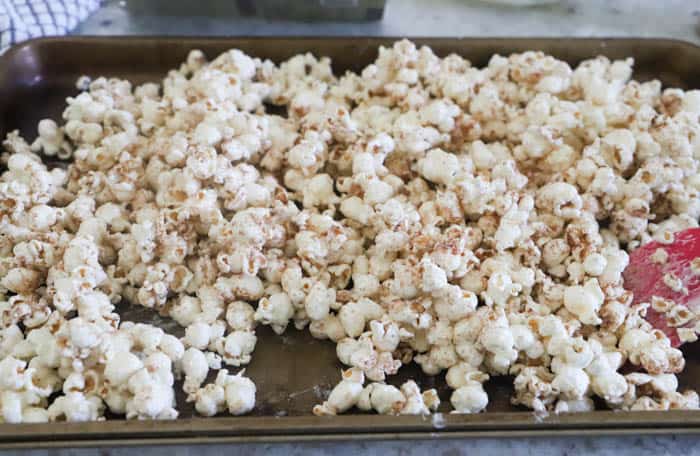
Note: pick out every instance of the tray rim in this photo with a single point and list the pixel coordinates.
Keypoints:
(343, 427)
(18, 47)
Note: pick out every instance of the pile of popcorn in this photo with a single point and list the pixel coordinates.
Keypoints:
(475, 221)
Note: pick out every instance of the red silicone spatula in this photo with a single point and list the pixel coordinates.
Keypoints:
(646, 276)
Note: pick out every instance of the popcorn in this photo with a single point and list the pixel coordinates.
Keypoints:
(236, 347)
(354, 316)
(533, 388)
(275, 311)
(618, 148)
(74, 406)
(571, 383)
(319, 301)
(344, 395)
(195, 367)
(673, 282)
(152, 399)
(651, 351)
(439, 166)
(584, 301)
(121, 366)
(386, 399)
(51, 140)
(240, 316)
(574, 406)
(210, 399)
(468, 395)
(473, 220)
(197, 335)
(560, 199)
(418, 403)
(595, 264)
(239, 392)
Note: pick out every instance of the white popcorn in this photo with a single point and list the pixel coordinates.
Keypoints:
(473, 220)
(328, 328)
(319, 301)
(386, 399)
(234, 393)
(463, 374)
(595, 264)
(469, 398)
(365, 285)
(418, 403)
(21, 280)
(319, 191)
(500, 288)
(35, 415)
(574, 406)
(618, 148)
(560, 199)
(439, 166)
(660, 256)
(275, 311)
(453, 303)
(210, 399)
(239, 393)
(434, 278)
(197, 335)
(571, 382)
(344, 395)
(610, 386)
(75, 406)
(51, 141)
(195, 367)
(241, 316)
(120, 367)
(236, 348)
(151, 398)
(687, 335)
(524, 339)
(355, 315)
(584, 301)
(356, 209)
(652, 352)
(673, 282)
(186, 310)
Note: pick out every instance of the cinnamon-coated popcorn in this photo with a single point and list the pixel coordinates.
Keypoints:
(473, 220)
(344, 395)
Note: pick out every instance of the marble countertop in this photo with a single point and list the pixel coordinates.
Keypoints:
(567, 446)
(668, 18)
(678, 19)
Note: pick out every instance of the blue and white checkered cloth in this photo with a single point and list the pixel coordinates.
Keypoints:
(24, 19)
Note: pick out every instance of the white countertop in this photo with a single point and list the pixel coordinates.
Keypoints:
(669, 18)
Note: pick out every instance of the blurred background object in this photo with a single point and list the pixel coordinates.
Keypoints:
(315, 10)
(24, 19)
(449, 18)
(521, 2)
(679, 19)
(298, 10)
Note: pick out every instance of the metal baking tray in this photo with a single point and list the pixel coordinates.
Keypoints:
(294, 371)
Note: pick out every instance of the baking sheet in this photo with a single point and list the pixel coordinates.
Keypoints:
(294, 371)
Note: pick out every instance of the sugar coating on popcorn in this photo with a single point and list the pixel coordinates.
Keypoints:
(473, 220)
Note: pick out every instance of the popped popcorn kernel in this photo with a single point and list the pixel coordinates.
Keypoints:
(474, 220)
(660, 256)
